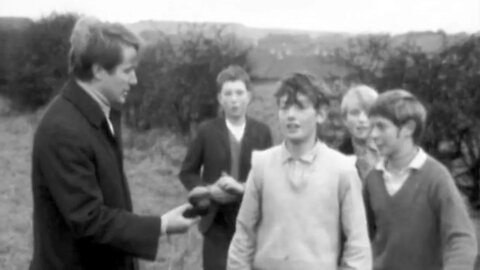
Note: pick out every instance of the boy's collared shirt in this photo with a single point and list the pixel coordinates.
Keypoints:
(394, 181)
(297, 167)
(317, 192)
(237, 131)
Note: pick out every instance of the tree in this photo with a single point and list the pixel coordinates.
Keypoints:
(447, 83)
(177, 75)
(41, 60)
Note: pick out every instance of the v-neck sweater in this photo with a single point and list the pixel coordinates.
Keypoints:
(423, 226)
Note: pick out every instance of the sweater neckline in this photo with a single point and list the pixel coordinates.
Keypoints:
(412, 179)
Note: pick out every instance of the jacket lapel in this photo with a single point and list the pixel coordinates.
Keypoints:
(94, 114)
(246, 149)
(84, 103)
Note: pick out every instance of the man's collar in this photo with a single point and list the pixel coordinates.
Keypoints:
(83, 102)
(308, 157)
(99, 98)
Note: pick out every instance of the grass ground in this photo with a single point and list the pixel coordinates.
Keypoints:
(151, 159)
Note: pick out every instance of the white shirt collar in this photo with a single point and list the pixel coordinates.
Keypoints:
(416, 163)
(237, 131)
(308, 157)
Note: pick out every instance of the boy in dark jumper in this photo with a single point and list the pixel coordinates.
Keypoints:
(417, 218)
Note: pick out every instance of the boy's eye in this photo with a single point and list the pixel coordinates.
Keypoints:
(301, 106)
(380, 126)
(355, 112)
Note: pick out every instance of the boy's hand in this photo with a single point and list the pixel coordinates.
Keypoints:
(229, 184)
(199, 198)
(221, 195)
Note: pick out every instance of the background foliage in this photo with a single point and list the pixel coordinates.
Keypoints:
(177, 89)
(447, 82)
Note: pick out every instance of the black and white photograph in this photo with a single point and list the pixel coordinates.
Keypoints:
(240, 135)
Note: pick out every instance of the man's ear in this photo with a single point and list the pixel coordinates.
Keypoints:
(98, 71)
(408, 129)
(322, 114)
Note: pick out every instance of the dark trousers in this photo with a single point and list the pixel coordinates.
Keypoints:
(216, 241)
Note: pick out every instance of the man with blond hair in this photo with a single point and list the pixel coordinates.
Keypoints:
(82, 216)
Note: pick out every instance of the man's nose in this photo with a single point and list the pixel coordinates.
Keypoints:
(133, 79)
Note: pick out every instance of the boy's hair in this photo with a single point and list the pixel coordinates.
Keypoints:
(232, 73)
(94, 42)
(400, 106)
(302, 83)
(362, 95)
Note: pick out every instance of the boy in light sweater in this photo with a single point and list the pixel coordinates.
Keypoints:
(417, 219)
(302, 207)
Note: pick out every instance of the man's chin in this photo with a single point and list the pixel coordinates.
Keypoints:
(118, 104)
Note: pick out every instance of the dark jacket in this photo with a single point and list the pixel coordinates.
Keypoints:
(346, 147)
(211, 149)
(82, 217)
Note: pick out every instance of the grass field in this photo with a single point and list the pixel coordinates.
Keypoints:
(151, 159)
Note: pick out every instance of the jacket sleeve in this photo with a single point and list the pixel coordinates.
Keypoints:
(357, 252)
(458, 234)
(67, 162)
(268, 138)
(243, 245)
(193, 162)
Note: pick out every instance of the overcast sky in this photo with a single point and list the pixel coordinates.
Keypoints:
(393, 16)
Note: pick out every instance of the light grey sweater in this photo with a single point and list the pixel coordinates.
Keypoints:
(287, 223)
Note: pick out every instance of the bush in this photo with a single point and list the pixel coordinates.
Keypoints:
(446, 82)
(177, 75)
(39, 61)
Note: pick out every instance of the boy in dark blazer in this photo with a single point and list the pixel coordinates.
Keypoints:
(82, 216)
(223, 148)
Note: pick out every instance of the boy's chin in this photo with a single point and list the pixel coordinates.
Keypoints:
(296, 139)
(360, 135)
(235, 115)
(386, 153)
